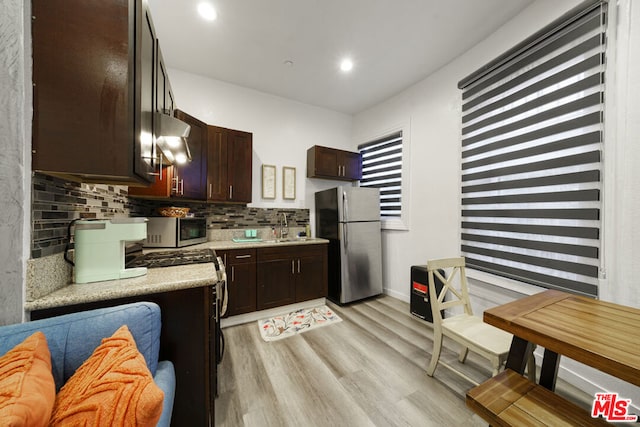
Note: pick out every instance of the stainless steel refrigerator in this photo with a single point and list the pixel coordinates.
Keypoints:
(349, 217)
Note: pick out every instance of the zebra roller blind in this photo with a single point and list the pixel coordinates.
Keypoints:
(532, 134)
(382, 168)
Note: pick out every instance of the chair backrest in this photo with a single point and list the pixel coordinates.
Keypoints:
(454, 292)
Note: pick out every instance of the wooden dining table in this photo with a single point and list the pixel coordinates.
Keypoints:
(600, 334)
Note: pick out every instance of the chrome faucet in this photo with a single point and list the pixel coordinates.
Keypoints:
(284, 227)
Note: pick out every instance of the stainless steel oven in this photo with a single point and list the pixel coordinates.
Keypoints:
(166, 232)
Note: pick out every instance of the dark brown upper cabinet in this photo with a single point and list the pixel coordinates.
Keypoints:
(220, 169)
(182, 181)
(229, 165)
(94, 68)
(331, 163)
(164, 95)
(190, 179)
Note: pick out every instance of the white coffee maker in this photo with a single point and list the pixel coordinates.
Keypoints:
(100, 248)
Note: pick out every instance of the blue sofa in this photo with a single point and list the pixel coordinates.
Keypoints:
(72, 338)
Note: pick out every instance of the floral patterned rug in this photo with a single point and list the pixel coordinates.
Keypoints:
(287, 325)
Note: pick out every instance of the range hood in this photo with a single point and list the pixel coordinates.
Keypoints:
(172, 136)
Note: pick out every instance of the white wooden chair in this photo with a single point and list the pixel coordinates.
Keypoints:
(464, 328)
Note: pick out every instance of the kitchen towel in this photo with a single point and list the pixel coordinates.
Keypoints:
(283, 326)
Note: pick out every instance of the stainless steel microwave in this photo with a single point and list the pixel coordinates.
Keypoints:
(167, 232)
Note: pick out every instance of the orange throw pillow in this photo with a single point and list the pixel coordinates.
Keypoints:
(27, 388)
(113, 387)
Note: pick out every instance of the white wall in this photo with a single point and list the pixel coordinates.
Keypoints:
(433, 107)
(621, 249)
(282, 129)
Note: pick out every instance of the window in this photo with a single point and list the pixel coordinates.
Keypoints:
(382, 168)
(532, 133)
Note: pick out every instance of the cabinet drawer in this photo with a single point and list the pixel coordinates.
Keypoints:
(238, 256)
(282, 252)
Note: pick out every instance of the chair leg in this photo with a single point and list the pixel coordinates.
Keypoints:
(463, 354)
(435, 356)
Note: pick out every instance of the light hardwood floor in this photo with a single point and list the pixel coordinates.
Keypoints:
(368, 370)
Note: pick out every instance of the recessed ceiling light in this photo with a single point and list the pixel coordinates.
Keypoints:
(346, 65)
(207, 11)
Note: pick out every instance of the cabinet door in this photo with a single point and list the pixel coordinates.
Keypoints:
(162, 82)
(351, 165)
(160, 189)
(145, 144)
(191, 177)
(217, 188)
(241, 280)
(92, 79)
(242, 289)
(164, 94)
(326, 162)
(311, 273)
(275, 283)
(239, 155)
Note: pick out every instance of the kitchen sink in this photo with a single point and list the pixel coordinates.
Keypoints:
(287, 239)
(272, 241)
(278, 240)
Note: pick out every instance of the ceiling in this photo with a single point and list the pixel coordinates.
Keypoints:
(393, 43)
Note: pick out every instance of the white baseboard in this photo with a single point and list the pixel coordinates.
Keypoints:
(397, 295)
(264, 314)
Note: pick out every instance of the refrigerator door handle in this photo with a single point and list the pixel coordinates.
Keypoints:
(345, 229)
(345, 208)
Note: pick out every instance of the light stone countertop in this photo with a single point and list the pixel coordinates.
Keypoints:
(156, 280)
(226, 244)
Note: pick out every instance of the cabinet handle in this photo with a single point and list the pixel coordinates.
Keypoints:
(339, 167)
(210, 186)
(293, 271)
(233, 273)
(182, 187)
(175, 189)
(298, 265)
(242, 256)
(231, 191)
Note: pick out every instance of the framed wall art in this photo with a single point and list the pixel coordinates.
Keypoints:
(288, 183)
(268, 182)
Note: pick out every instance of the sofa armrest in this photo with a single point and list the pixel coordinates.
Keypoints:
(165, 378)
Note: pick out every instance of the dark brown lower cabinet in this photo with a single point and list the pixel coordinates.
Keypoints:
(290, 274)
(275, 278)
(311, 281)
(188, 328)
(240, 265)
